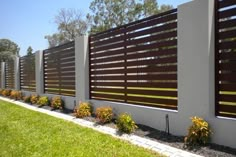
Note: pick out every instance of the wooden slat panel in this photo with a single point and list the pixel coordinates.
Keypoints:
(227, 108)
(228, 98)
(227, 56)
(133, 49)
(228, 77)
(227, 24)
(227, 87)
(227, 34)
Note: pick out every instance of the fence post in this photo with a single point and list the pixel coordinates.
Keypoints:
(82, 68)
(39, 72)
(3, 83)
(17, 73)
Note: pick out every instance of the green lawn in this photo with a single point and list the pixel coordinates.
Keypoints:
(27, 133)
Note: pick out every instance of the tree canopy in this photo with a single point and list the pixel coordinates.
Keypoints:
(29, 50)
(107, 14)
(8, 49)
(70, 23)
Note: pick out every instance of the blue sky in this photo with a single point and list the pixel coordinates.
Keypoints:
(26, 22)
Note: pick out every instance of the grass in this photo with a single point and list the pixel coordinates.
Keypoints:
(28, 133)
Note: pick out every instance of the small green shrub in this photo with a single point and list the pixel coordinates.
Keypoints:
(34, 98)
(198, 133)
(83, 110)
(125, 123)
(104, 114)
(27, 99)
(6, 92)
(43, 100)
(57, 102)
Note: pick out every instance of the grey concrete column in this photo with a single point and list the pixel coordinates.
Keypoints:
(82, 68)
(196, 84)
(17, 73)
(39, 72)
(3, 83)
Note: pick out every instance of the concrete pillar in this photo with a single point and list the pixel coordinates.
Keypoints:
(196, 83)
(3, 83)
(39, 72)
(17, 73)
(82, 68)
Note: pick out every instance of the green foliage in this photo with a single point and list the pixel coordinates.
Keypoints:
(198, 133)
(57, 102)
(104, 114)
(8, 50)
(43, 100)
(125, 123)
(34, 98)
(27, 99)
(106, 14)
(6, 92)
(29, 50)
(16, 95)
(83, 110)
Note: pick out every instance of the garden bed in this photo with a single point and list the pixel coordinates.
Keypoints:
(210, 150)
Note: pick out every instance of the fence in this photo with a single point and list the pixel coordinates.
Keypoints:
(225, 58)
(168, 65)
(137, 63)
(27, 73)
(59, 70)
(10, 74)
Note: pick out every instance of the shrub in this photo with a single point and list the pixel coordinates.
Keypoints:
(125, 123)
(43, 100)
(1, 90)
(6, 92)
(83, 110)
(27, 99)
(57, 103)
(104, 114)
(198, 133)
(16, 95)
(34, 98)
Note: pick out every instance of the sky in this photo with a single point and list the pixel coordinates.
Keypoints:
(26, 22)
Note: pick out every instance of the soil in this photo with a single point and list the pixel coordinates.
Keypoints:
(210, 150)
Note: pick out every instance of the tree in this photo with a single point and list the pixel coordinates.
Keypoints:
(70, 23)
(8, 50)
(107, 14)
(29, 50)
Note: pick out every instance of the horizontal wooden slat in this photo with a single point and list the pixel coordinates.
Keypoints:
(153, 61)
(227, 108)
(227, 13)
(227, 45)
(153, 105)
(152, 100)
(227, 66)
(227, 34)
(227, 56)
(226, 3)
(227, 98)
(152, 92)
(227, 87)
(108, 96)
(111, 90)
(227, 24)
(114, 84)
(60, 47)
(228, 77)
